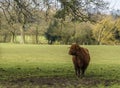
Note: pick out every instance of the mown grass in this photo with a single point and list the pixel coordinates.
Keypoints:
(25, 61)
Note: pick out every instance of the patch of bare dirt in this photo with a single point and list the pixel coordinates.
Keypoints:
(60, 82)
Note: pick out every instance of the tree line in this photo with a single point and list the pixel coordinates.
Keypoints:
(58, 22)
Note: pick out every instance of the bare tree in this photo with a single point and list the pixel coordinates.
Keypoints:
(80, 10)
(19, 12)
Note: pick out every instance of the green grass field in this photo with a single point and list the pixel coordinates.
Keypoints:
(42, 66)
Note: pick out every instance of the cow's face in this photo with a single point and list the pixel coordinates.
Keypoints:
(74, 49)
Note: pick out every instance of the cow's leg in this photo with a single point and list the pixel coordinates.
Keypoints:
(83, 70)
(76, 72)
(75, 65)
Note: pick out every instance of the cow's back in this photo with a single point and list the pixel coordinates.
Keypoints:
(85, 55)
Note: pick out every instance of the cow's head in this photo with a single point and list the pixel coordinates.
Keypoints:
(74, 49)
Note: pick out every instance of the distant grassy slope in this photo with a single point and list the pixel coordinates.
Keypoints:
(18, 61)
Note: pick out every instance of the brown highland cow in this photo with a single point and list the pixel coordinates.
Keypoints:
(81, 59)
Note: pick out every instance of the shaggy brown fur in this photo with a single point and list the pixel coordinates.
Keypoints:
(81, 58)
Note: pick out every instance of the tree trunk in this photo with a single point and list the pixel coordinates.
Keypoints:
(5, 38)
(50, 42)
(13, 37)
(22, 41)
(36, 35)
